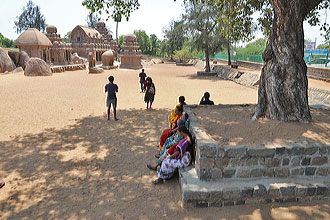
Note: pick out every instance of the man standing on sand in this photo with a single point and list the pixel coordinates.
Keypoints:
(111, 89)
(142, 77)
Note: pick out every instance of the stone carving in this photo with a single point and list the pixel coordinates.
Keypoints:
(91, 59)
(131, 55)
(108, 58)
(6, 64)
(77, 59)
(37, 67)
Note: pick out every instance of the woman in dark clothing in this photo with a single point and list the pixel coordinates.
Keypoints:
(150, 92)
(206, 99)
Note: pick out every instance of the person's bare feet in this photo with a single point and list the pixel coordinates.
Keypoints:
(158, 181)
(2, 184)
(116, 119)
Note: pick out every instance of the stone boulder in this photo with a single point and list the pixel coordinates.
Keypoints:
(37, 67)
(6, 64)
(108, 58)
(18, 70)
(19, 58)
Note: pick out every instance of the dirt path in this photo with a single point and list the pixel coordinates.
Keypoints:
(61, 159)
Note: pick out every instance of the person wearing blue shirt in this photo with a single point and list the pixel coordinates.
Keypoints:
(111, 89)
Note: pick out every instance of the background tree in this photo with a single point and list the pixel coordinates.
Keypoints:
(5, 42)
(121, 42)
(66, 38)
(154, 44)
(30, 17)
(175, 36)
(200, 20)
(144, 41)
(92, 20)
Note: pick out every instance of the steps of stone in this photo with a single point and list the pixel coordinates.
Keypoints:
(226, 192)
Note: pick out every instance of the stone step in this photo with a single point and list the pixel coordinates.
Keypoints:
(228, 192)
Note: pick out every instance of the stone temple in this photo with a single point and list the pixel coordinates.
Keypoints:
(53, 50)
(130, 57)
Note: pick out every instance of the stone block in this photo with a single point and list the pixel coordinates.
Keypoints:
(280, 151)
(301, 191)
(201, 204)
(319, 160)
(228, 173)
(228, 203)
(310, 150)
(236, 152)
(234, 162)
(306, 161)
(243, 173)
(274, 191)
(216, 204)
(206, 163)
(207, 149)
(257, 172)
(285, 161)
(240, 202)
(215, 196)
(221, 162)
(293, 199)
(296, 151)
(320, 190)
(252, 162)
(295, 161)
(231, 193)
(220, 152)
(269, 172)
(297, 172)
(261, 152)
(247, 192)
(259, 190)
(282, 172)
(288, 191)
(311, 190)
(272, 162)
(322, 171)
(310, 171)
(323, 150)
(216, 173)
(205, 174)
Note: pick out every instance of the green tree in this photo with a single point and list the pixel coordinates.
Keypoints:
(256, 47)
(92, 20)
(154, 44)
(66, 38)
(144, 41)
(121, 42)
(30, 17)
(175, 36)
(201, 22)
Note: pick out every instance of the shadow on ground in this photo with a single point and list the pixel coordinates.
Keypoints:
(96, 169)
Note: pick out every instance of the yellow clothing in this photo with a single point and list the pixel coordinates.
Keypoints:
(173, 117)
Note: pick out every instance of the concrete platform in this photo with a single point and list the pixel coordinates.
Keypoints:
(228, 192)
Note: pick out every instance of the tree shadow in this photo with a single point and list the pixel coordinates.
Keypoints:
(96, 169)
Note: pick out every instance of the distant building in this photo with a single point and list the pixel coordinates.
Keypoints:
(51, 49)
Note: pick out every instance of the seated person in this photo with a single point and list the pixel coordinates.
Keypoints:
(169, 132)
(206, 99)
(173, 116)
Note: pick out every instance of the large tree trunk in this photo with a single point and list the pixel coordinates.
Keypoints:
(282, 93)
(207, 60)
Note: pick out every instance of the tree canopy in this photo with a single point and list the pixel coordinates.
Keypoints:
(30, 17)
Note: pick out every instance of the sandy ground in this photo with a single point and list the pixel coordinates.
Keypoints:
(228, 126)
(61, 158)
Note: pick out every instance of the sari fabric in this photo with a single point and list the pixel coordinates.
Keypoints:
(173, 117)
(169, 166)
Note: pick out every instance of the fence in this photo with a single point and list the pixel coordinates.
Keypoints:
(319, 58)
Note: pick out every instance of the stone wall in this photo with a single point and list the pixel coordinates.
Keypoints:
(214, 161)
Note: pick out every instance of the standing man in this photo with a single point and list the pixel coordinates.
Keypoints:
(111, 89)
(142, 76)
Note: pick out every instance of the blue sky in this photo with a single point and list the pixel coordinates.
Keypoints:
(152, 16)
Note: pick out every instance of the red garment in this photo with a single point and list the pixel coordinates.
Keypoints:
(166, 134)
(171, 150)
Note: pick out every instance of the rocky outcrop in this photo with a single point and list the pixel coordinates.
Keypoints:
(37, 67)
(6, 64)
(95, 70)
(19, 58)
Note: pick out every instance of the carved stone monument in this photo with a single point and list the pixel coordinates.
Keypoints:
(130, 57)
